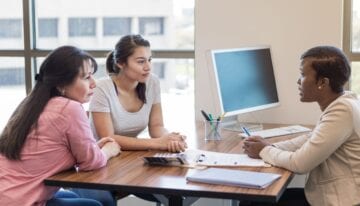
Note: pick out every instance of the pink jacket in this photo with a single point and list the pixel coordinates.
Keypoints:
(63, 138)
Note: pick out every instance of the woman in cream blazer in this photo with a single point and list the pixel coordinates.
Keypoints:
(331, 153)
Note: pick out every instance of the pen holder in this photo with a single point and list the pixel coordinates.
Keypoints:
(213, 130)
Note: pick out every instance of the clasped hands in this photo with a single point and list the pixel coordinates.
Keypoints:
(253, 145)
(109, 146)
(173, 142)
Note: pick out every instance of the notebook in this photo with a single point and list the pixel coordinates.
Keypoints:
(240, 178)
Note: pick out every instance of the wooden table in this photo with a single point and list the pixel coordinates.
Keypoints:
(127, 173)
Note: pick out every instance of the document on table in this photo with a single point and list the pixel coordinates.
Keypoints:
(241, 178)
(207, 158)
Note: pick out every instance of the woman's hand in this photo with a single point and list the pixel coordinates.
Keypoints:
(253, 146)
(109, 146)
(172, 142)
(104, 140)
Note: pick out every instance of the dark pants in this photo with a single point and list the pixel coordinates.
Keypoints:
(291, 196)
(105, 197)
(69, 198)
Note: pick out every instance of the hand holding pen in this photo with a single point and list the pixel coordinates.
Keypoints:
(253, 145)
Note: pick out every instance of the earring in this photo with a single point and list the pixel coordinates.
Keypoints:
(62, 92)
(319, 87)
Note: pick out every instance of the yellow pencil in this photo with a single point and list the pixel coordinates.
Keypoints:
(222, 116)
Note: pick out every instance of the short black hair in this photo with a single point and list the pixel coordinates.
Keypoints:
(329, 62)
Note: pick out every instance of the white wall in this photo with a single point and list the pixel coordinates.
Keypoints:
(289, 27)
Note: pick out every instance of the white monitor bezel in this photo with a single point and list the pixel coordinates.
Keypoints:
(218, 90)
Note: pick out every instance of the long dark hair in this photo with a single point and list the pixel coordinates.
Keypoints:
(60, 68)
(330, 62)
(124, 48)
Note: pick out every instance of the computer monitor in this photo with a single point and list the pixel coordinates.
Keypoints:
(244, 79)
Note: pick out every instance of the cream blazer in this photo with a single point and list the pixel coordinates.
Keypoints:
(330, 154)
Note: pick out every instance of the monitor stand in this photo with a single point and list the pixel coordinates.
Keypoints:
(236, 126)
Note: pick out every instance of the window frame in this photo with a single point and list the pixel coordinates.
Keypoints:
(30, 52)
(347, 34)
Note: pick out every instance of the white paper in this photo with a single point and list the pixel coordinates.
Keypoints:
(206, 158)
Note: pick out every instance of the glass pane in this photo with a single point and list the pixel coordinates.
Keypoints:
(116, 26)
(355, 77)
(82, 27)
(151, 26)
(11, 28)
(177, 88)
(98, 24)
(355, 44)
(12, 86)
(48, 27)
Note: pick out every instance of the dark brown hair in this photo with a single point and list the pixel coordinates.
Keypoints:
(60, 68)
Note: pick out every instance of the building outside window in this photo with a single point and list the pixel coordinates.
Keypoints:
(158, 68)
(10, 28)
(116, 26)
(151, 25)
(82, 27)
(48, 27)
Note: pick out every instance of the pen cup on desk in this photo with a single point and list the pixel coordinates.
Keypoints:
(213, 130)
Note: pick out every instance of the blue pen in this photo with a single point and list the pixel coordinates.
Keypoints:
(246, 131)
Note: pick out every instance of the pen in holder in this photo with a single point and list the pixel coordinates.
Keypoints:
(213, 129)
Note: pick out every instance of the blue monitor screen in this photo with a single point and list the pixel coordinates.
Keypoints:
(245, 79)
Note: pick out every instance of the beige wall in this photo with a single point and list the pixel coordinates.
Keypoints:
(289, 27)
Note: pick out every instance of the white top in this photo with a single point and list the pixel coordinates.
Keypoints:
(125, 123)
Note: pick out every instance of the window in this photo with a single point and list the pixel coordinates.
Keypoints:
(82, 27)
(116, 26)
(12, 75)
(158, 68)
(351, 41)
(355, 28)
(12, 86)
(48, 27)
(151, 25)
(10, 28)
(167, 24)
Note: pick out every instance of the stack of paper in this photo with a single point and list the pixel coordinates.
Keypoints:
(241, 178)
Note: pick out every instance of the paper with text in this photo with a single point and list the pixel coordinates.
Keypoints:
(207, 158)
